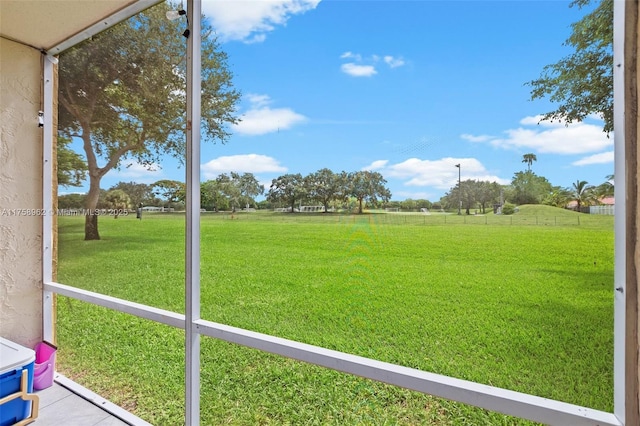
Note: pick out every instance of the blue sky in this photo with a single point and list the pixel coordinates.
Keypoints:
(406, 88)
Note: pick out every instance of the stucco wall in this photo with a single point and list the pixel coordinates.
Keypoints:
(20, 188)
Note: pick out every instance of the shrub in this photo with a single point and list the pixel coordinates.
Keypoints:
(508, 208)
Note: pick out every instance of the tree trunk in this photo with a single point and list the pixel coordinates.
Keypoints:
(91, 219)
(91, 227)
(360, 206)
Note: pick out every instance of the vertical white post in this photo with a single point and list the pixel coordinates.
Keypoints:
(192, 265)
(619, 328)
(48, 326)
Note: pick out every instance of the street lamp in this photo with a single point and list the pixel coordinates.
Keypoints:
(459, 190)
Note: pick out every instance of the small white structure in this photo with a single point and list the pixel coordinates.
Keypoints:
(606, 210)
(311, 209)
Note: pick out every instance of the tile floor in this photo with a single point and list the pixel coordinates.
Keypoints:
(61, 407)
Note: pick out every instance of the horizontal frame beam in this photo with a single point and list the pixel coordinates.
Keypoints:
(492, 398)
(505, 401)
(161, 316)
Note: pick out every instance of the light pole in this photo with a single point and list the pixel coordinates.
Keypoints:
(459, 190)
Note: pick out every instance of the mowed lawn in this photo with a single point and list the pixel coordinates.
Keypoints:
(525, 307)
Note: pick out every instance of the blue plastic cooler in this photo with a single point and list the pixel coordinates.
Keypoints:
(13, 360)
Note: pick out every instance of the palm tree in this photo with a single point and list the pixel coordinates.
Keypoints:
(559, 197)
(529, 159)
(605, 189)
(582, 192)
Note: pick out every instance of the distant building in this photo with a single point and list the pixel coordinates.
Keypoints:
(605, 205)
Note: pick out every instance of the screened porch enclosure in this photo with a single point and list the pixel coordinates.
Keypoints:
(304, 359)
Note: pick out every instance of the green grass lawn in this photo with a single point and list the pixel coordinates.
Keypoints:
(508, 303)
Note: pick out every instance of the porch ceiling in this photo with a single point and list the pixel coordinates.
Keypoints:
(44, 24)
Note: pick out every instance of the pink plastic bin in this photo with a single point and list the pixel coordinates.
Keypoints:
(45, 365)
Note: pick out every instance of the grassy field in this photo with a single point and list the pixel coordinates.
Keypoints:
(523, 303)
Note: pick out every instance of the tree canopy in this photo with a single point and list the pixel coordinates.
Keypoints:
(123, 94)
(118, 200)
(367, 186)
(529, 188)
(529, 159)
(138, 193)
(582, 193)
(288, 189)
(472, 193)
(230, 191)
(171, 190)
(582, 82)
(72, 169)
(325, 186)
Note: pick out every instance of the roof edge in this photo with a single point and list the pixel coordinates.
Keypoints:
(113, 19)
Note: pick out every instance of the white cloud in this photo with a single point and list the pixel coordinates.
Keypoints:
(250, 21)
(261, 119)
(376, 165)
(351, 55)
(472, 138)
(365, 67)
(602, 158)
(247, 163)
(356, 70)
(535, 120)
(551, 137)
(441, 174)
(393, 62)
(257, 100)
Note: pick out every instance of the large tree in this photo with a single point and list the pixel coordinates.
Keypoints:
(287, 189)
(487, 193)
(582, 82)
(230, 189)
(473, 193)
(139, 193)
(529, 188)
(212, 197)
(325, 186)
(172, 191)
(367, 186)
(123, 94)
(249, 187)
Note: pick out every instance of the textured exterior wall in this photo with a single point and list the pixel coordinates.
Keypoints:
(20, 188)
